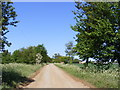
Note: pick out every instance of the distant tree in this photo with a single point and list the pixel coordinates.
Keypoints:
(6, 57)
(8, 18)
(28, 55)
(56, 55)
(64, 59)
(41, 49)
(69, 50)
(16, 56)
(56, 58)
(76, 61)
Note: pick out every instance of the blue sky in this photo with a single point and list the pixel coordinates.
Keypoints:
(45, 23)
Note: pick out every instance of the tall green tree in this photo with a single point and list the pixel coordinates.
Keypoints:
(98, 31)
(8, 18)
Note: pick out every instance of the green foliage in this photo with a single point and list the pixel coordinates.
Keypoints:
(57, 58)
(8, 18)
(106, 79)
(75, 61)
(27, 55)
(6, 57)
(69, 50)
(56, 55)
(98, 30)
(64, 59)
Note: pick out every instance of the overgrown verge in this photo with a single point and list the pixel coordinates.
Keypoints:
(105, 79)
(14, 74)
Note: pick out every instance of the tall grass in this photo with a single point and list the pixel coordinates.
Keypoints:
(14, 74)
(105, 79)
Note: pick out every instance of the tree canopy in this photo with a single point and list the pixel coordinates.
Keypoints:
(26, 55)
(98, 31)
(8, 18)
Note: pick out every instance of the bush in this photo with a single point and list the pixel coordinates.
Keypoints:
(75, 61)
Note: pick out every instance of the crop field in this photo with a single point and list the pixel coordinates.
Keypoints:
(14, 74)
(101, 79)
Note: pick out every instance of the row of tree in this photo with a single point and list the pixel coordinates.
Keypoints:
(98, 31)
(30, 55)
(57, 58)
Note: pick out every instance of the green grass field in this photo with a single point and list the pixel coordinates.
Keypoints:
(14, 74)
(105, 79)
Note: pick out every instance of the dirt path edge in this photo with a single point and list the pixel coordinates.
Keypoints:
(78, 79)
(22, 85)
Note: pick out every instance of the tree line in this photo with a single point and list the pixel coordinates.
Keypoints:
(57, 58)
(26, 55)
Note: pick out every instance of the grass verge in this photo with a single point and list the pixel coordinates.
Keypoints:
(14, 74)
(106, 79)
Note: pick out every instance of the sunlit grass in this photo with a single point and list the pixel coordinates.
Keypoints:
(106, 79)
(13, 74)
